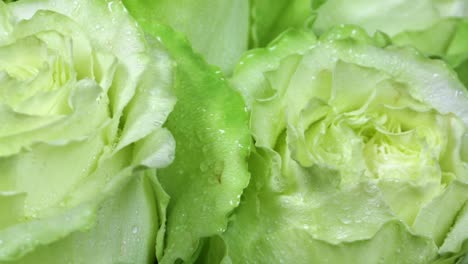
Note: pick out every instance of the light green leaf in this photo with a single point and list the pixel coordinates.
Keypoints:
(209, 124)
(218, 30)
(124, 231)
(447, 40)
(438, 28)
(271, 18)
(390, 17)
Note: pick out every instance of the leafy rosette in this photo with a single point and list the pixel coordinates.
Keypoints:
(83, 97)
(361, 155)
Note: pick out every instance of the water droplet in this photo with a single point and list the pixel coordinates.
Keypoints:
(346, 221)
(76, 5)
(206, 149)
(221, 131)
(340, 235)
(135, 229)
(370, 188)
(110, 6)
(204, 166)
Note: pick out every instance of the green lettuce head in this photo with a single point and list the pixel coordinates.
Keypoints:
(361, 155)
(83, 96)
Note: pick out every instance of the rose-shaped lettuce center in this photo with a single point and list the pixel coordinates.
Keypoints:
(360, 154)
(364, 124)
(43, 102)
(80, 112)
(370, 129)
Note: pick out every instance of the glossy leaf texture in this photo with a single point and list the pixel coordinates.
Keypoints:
(360, 155)
(210, 126)
(218, 30)
(81, 112)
